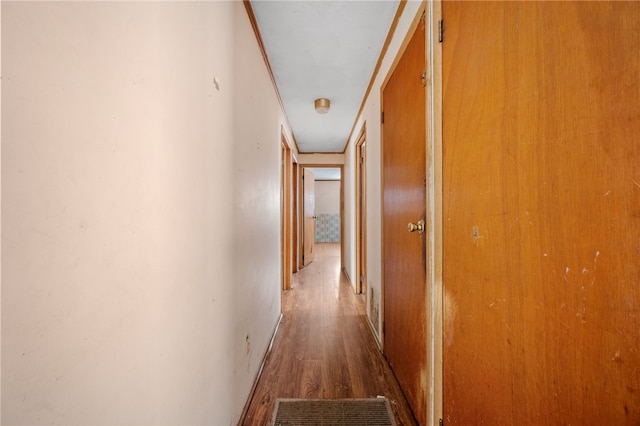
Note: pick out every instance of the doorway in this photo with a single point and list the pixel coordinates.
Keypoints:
(322, 198)
(361, 212)
(286, 208)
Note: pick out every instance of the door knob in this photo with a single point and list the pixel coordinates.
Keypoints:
(413, 227)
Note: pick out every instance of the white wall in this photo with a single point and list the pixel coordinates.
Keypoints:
(327, 197)
(349, 214)
(127, 183)
(371, 116)
(258, 121)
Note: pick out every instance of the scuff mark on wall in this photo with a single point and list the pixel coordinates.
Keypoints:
(374, 310)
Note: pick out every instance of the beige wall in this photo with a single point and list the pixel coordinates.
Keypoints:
(320, 159)
(327, 196)
(371, 116)
(128, 181)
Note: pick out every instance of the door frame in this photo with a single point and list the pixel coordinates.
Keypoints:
(308, 216)
(434, 208)
(296, 244)
(361, 212)
(300, 215)
(286, 216)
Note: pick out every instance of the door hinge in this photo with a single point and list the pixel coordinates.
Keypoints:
(382, 117)
(424, 78)
(441, 30)
(361, 160)
(441, 422)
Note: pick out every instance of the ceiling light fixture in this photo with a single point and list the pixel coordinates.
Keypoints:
(322, 105)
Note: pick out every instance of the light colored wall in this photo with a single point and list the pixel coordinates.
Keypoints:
(127, 183)
(327, 196)
(349, 215)
(371, 116)
(331, 159)
(258, 122)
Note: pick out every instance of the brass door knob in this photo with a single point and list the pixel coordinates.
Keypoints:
(413, 227)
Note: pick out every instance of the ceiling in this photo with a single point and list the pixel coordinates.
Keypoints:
(323, 49)
(325, 173)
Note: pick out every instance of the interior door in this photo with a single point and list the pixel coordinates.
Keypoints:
(309, 201)
(286, 215)
(361, 190)
(404, 202)
(541, 158)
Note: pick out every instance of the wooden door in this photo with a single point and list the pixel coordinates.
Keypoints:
(309, 201)
(295, 220)
(404, 198)
(541, 157)
(286, 215)
(361, 207)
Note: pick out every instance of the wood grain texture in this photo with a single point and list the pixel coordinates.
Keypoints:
(404, 201)
(324, 347)
(541, 151)
(308, 197)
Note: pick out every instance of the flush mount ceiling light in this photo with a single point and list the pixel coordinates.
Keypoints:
(322, 105)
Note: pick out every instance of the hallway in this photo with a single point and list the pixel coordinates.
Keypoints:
(324, 347)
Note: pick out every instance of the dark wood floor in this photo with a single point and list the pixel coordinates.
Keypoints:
(324, 347)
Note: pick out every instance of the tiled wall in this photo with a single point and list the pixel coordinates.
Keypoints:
(328, 228)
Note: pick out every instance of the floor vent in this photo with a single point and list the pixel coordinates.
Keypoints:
(334, 412)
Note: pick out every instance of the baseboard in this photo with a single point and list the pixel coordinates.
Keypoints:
(243, 416)
(372, 328)
(346, 275)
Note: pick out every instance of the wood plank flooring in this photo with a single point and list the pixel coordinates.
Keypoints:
(324, 347)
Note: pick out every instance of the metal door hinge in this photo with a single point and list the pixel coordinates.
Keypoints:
(441, 31)
(441, 422)
(382, 117)
(424, 78)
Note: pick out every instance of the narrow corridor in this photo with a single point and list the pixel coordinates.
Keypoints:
(324, 347)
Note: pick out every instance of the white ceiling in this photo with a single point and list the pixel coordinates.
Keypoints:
(323, 49)
(325, 173)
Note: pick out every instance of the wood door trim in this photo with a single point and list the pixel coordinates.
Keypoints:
(301, 167)
(295, 264)
(361, 212)
(286, 213)
(435, 292)
(309, 216)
